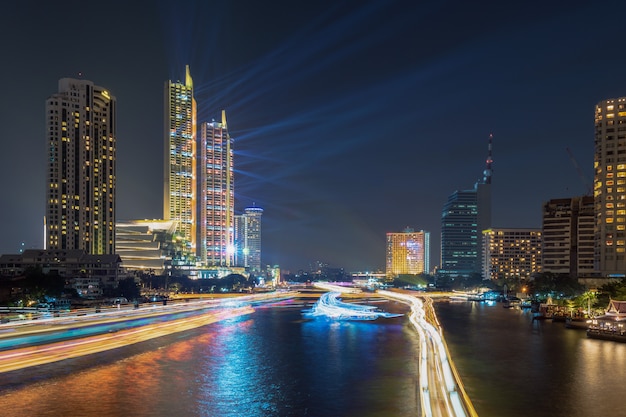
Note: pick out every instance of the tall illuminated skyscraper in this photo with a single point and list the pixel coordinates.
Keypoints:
(248, 238)
(179, 192)
(610, 187)
(81, 142)
(408, 252)
(464, 216)
(217, 195)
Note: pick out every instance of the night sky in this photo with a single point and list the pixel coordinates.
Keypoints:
(350, 118)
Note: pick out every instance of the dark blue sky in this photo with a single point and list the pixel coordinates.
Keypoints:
(350, 118)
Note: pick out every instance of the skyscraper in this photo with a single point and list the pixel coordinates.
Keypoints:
(464, 216)
(568, 236)
(408, 252)
(179, 192)
(251, 238)
(216, 191)
(81, 142)
(610, 187)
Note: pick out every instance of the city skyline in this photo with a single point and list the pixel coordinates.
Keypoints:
(348, 126)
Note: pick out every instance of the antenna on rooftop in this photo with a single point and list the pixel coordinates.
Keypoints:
(487, 172)
(588, 187)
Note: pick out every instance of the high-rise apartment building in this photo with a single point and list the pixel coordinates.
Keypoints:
(408, 252)
(217, 195)
(610, 187)
(81, 147)
(179, 171)
(248, 238)
(511, 253)
(464, 216)
(568, 236)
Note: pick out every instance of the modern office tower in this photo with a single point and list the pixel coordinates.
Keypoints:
(511, 253)
(81, 142)
(239, 238)
(248, 238)
(610, 187)
(408, 252)
(464, 216)
(216, 192)
(179, 171)
(568, 236)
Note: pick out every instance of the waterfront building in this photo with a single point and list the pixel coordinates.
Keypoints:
(179, 194)
(610, 325)
(81, 174)
(610, 187)
(465, 215)
(216, 191)
(408, 252)
(145, 245)
(77, 266)
(568, 236)
(511, 253)
(248, 238)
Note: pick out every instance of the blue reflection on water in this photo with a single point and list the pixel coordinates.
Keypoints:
(263, 365)
(270, 363)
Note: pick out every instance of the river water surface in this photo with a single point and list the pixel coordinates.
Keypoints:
(514, 367)
(273, 363)
(269, 363)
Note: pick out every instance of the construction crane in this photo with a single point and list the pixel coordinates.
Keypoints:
(581, 174)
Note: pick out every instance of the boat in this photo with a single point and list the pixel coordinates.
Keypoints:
(577, 323)
(511, 302)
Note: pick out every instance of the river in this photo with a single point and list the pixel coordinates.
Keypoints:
(514, 367)
(273, 363)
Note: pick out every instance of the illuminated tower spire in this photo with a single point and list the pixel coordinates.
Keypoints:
(188, 79)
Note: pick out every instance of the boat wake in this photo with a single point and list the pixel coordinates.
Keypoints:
(331, 307)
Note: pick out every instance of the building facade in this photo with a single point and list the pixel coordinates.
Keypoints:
(81, 175)
(465, 215)
(610, 187)
(408, 252)
(511, 253)
(248, 239)
(217, 196)
(145, 245)
(179, 194)
(76, 266)
(568, 236)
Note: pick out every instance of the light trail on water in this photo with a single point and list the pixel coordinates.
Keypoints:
(441, 392)
(330, 306)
